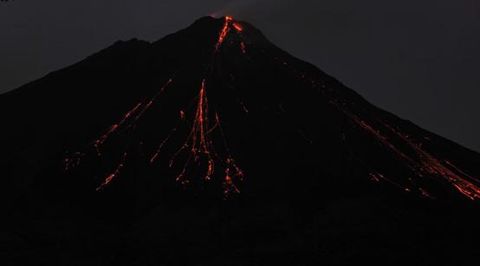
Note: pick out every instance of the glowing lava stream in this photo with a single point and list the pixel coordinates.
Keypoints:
(424, 165)
(136, 112)
(128, 120)
(100, 141)
(237, 27)
(224, 32)
(197, 139)
(199, 147)
(432, 165)
(115, 173)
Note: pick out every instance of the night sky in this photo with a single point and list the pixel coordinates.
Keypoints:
(417, 59)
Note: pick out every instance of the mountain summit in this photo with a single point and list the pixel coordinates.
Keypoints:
(214, 141)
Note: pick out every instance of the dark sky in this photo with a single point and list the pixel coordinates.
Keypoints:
(417, 58)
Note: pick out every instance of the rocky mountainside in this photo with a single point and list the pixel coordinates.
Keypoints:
(214, 146)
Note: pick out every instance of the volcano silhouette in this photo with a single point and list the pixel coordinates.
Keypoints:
(214, 146)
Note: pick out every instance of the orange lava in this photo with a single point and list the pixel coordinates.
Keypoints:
(425, 164)
(200, 149)
(197, 157)
(136, 112)
(237, 27)
(115, 173)
(199, 145)
(431, 165)
(224, 32)
(232, 173)
(98, 142)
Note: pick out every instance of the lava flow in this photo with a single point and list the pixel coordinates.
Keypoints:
(431, 165)
(422, 164)
(205, 147)
(128, 120)
(136, 113)
(425, 164)
(199, 145)
(100, 141)
(197, 141)
(237, 27)
(115, 173)
(200, 149)
(224, 32)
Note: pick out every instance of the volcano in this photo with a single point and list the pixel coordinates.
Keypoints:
(212, 146)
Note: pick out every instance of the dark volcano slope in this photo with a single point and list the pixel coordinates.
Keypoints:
(214, 147)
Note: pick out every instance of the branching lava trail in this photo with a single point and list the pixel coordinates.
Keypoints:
(199, 145)
(128, 120)
(199, 152)
(422, 164)
(204, 152)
